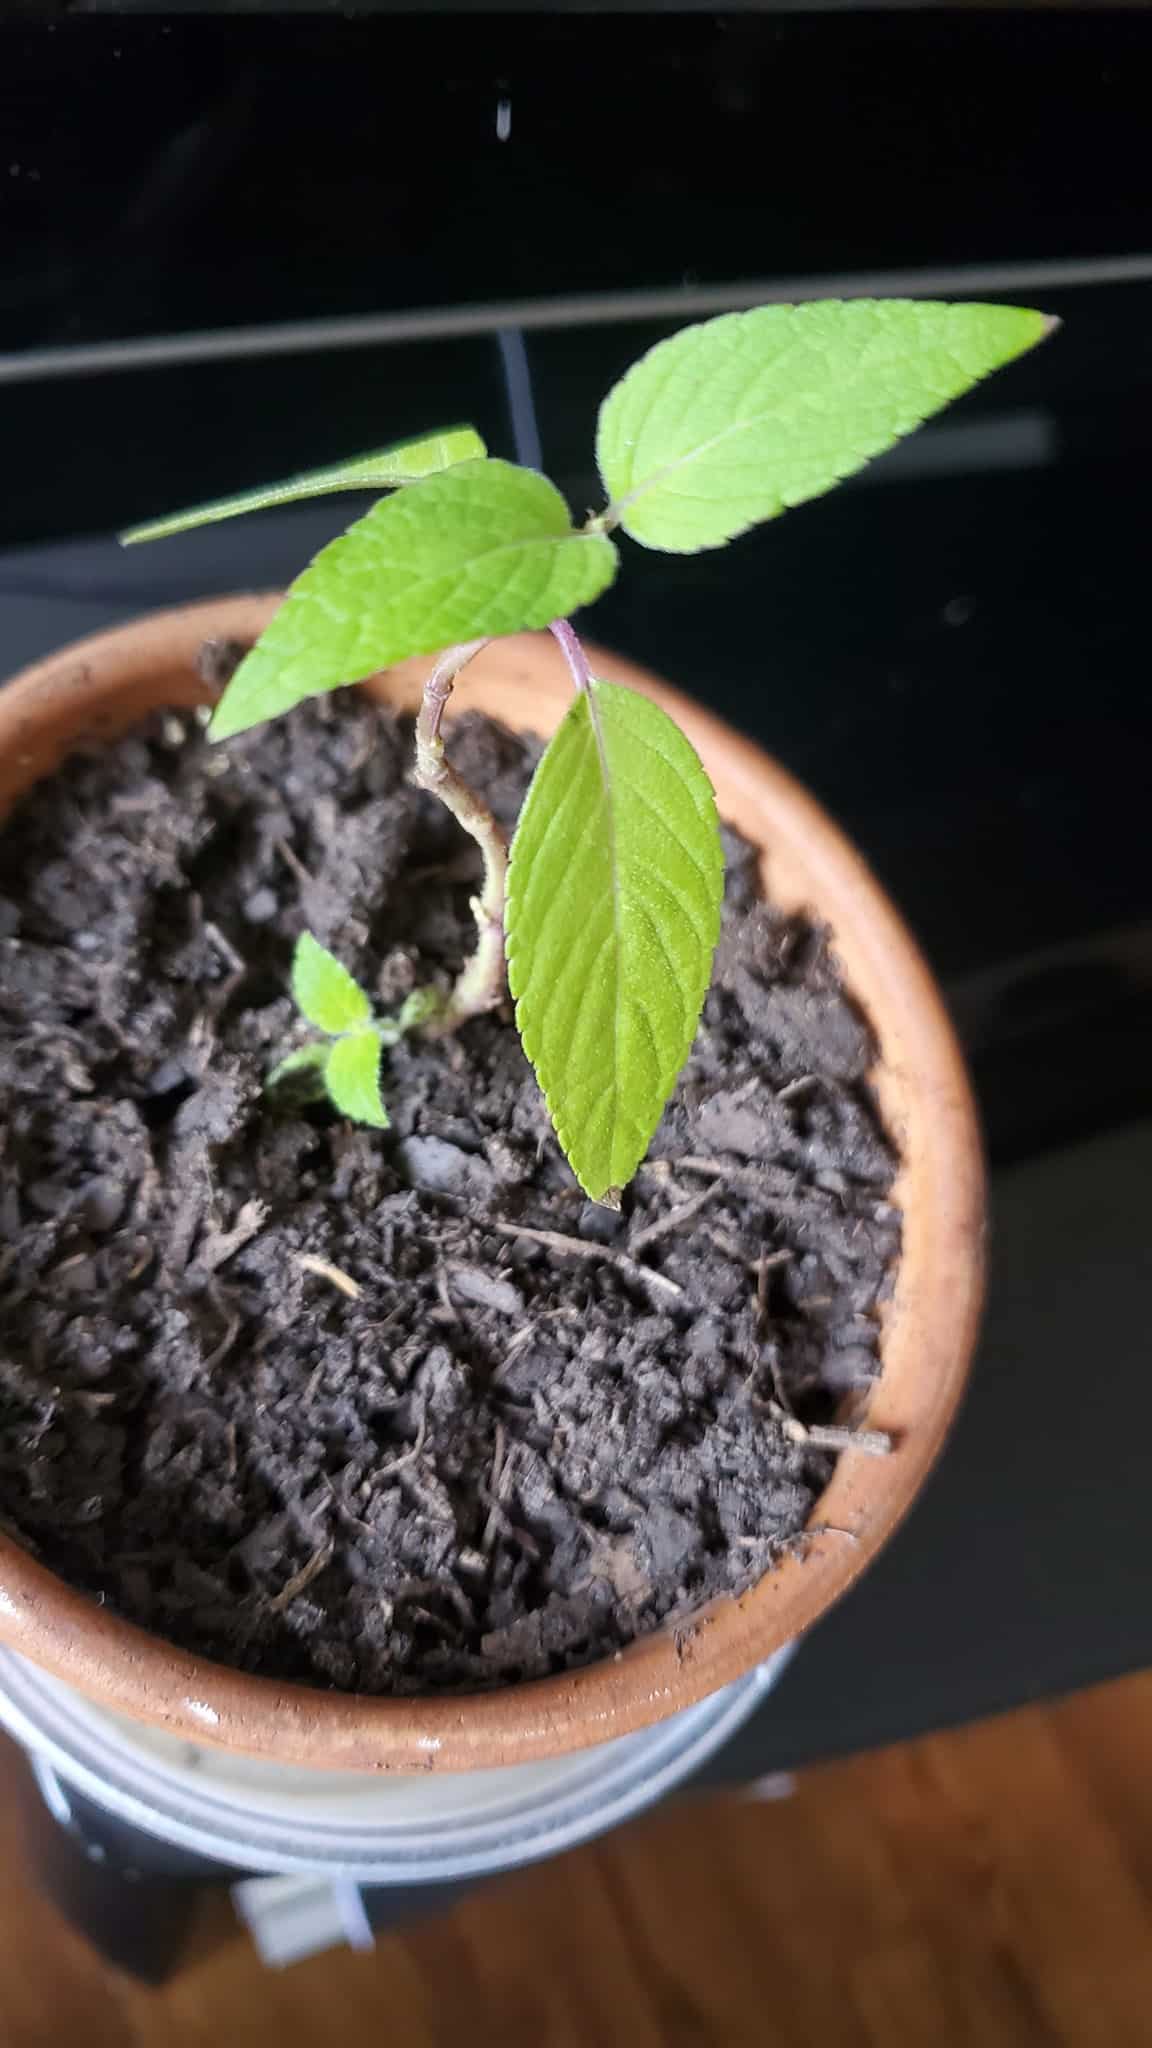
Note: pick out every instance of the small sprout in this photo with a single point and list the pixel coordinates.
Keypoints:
(347, 1069)
(324, 992)
(352, 1078)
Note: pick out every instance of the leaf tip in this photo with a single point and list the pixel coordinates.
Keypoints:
(234, 711)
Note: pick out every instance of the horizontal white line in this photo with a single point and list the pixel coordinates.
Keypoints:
(591, 309)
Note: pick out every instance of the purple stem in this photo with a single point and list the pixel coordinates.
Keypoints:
(572, 651)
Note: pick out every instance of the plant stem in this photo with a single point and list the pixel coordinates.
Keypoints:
(572, 651)
(480, 983)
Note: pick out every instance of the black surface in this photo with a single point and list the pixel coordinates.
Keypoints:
(258, 170)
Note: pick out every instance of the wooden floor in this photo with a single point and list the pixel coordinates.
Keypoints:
(988, 1887)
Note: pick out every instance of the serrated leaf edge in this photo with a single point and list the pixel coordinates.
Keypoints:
(309, 949)
(383, 1121)
(358, 473)
(615, 513)
(563, 1134)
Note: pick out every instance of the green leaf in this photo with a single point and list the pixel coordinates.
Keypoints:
(485, 549)
(325, 992)
(737, 419)
(352, 1078)
(299, 1067)
(613, 913)
(404, 463)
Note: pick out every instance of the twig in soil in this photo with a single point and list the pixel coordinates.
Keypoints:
(739, 1256)
(238, 966)
(675, 1219)
(829, 1436)
(301, 1580)
(658, 1284)
(516, 1344)
(223, 1348)
(762, 1268)
(223, 1245)
(800, 1086)
(446, 1313)
(291, 859)
(514, 1533)
(236, 961)
(325, 1270)
(407, 1457)
(757, 1180)
(496, 1489)
(762, 1271)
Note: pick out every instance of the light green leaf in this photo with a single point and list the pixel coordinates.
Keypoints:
(485, 549)
(613, 913)
(301, 1067)
(325, 992)
(404, 463)
(352, 1078)
(735, 420)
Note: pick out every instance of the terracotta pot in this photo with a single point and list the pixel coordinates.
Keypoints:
(104, 684)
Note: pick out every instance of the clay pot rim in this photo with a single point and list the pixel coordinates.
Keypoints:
(110, 679)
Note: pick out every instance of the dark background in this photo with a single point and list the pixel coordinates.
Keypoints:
(951, 651)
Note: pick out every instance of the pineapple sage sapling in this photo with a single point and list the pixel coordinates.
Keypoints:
(603, 915)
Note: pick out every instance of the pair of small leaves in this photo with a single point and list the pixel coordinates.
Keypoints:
(348, 1069)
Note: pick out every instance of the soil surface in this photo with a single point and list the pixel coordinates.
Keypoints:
(298, 1395)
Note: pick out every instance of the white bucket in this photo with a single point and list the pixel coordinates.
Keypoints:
(371, 1828)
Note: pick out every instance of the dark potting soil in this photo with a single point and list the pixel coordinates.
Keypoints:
(299, 1395)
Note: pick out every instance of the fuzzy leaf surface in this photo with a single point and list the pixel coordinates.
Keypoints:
(485, 549)
(352, 1078)
(324, 991)
(613, 913)
(385, 469)
(735, 420)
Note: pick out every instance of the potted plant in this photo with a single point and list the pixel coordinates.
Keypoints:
(427, 1343)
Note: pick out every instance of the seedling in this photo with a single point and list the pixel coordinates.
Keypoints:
(603, 917)
(345, 1064)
